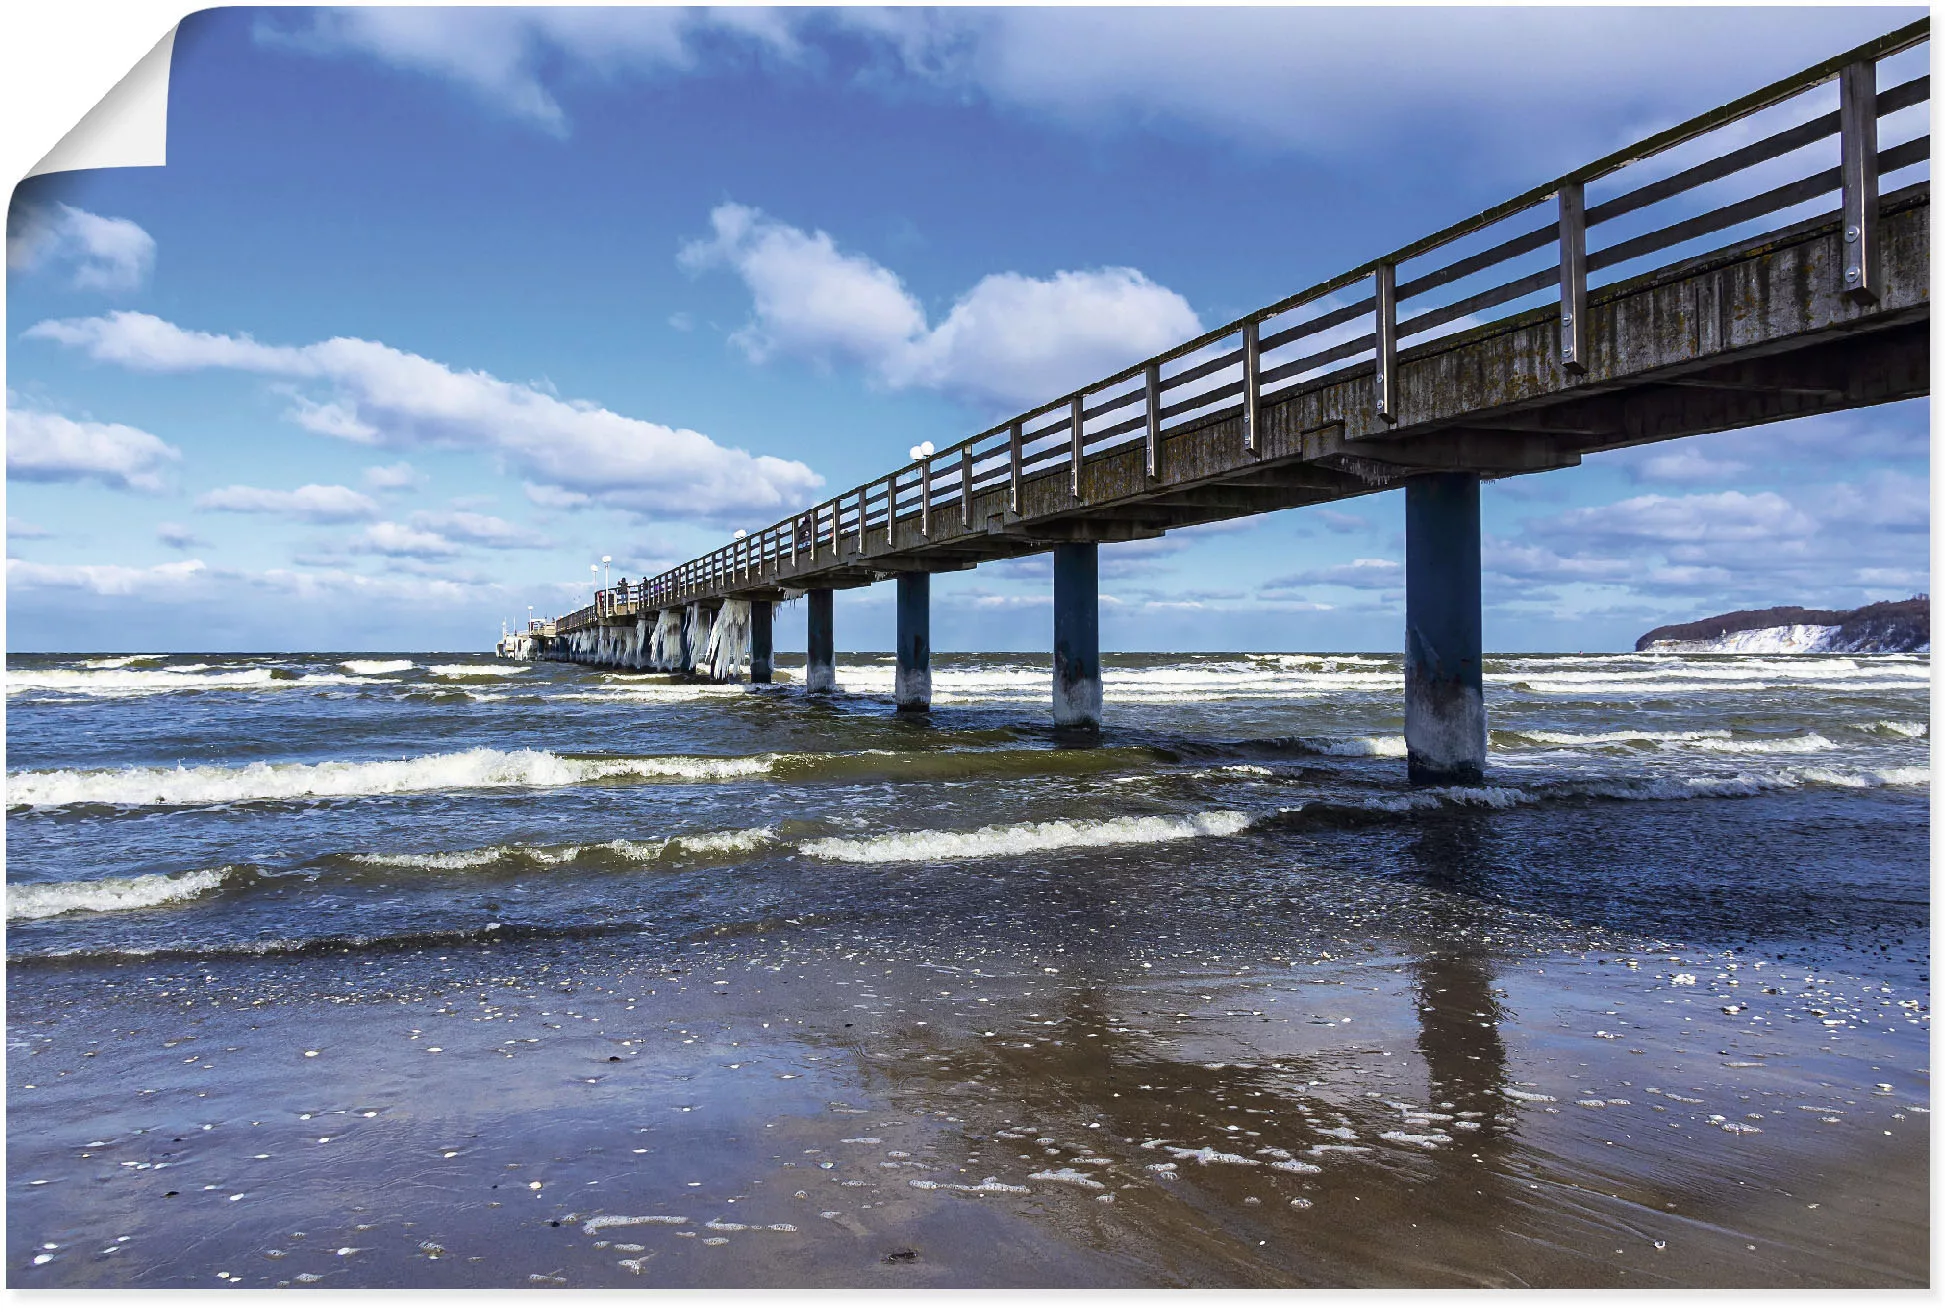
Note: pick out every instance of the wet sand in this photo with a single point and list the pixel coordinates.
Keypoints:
(791, 1106)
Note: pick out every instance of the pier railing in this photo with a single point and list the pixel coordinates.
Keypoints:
(1776, 156)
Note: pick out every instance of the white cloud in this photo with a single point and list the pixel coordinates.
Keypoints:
(1338, 521)
(1680, 523)
(179, 536)
(1011, 339)
(1526, 563)
(481, 530)
(1561, 83)
(568, 447)
(19, 530)
(314, 503)
(43, 447)
(1684, 464)
(389, 478)
(1886, 501)
(107, 580)
(100, 254)
(498, 54)
(388, 539)
(1838, 543)
(1366, 572)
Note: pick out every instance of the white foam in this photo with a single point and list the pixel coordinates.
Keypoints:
(474, 671)
(481, 767)
(123, 682)
(1898, 728)
(1378, 745)
(375, 667)
(1658, 736)
(1017, 840)
(704, 844)
(1796, 746)
(596, 1224)
(123, 893)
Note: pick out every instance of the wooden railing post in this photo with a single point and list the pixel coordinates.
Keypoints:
(864, 494)
(1013, 454)
(965, 486)
(891, 511)
(1387, 316)
(1151, 461)
(1252, 388)
(925, 497)
(1857, 119)
(1076, 421)
(1573, 278)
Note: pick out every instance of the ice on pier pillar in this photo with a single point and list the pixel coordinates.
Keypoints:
(762, 658)
(820, 662)
(1445, 707)
(913, 686)
(1077, 636)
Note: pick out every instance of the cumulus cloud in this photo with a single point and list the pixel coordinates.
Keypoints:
(1011, 339)
(97, 253)
(382, 394)
(314, 503)
(43, 447)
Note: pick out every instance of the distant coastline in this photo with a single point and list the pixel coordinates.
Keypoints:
(1882, 626)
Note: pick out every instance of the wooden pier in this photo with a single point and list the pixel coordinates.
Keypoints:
(1384, 377)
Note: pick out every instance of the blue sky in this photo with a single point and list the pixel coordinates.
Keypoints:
(430, 309)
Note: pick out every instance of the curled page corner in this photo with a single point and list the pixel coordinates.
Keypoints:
(128, 128)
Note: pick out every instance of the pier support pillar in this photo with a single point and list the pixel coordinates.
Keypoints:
(695, 646)
(762, 659)
(913, 688)
(1445, 707)
(820, 647)
(1077, 636)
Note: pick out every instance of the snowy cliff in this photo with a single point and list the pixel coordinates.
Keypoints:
(1884, 626)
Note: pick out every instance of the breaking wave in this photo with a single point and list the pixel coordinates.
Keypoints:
(376, 667)
(1898, 728)
(121, 681)
(117, 662)
(1020, 839)
(126, 893)
(481, 767)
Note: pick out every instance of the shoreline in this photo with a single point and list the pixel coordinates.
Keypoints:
(1003, 1121)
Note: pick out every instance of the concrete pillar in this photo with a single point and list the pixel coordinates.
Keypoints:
(1077, 636)
(1445, 707)
(762, 613)
(820, 661)
(913, 688)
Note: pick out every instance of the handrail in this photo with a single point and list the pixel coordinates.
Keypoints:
(1005, 454)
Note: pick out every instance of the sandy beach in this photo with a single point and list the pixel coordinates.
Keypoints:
(779, 1108)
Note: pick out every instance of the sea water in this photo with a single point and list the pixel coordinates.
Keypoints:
(1739, 839)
